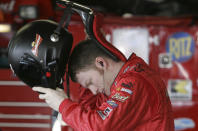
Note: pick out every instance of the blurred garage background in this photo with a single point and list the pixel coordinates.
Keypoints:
(163, 32)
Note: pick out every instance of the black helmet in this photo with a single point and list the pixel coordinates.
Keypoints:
(36, 56)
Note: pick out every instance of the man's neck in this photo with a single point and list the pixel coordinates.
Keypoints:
(111, 74)
(116, 69)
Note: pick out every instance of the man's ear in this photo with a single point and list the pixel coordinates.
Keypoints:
(100, 63)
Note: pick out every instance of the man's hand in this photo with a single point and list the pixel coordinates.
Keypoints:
(52, 97)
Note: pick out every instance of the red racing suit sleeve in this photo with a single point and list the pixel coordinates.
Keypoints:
(132, 103)
(89, 101)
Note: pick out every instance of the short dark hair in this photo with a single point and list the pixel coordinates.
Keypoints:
(83, 57)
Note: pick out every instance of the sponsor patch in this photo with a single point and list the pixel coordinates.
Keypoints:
(138, 67)
(132, 67)
(126, 90)
(102, 115)
(35, 44)
(165, 60)
(184, 124)
(118, 89)
(128, 85)
(112, 103)
(181, 46)
(120, 98)
(107, 111)
(180, 89)
(126, 69)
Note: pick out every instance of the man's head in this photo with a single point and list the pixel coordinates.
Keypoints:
(92, 67)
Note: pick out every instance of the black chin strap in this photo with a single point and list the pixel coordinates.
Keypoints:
(64, 23)
(68, 88)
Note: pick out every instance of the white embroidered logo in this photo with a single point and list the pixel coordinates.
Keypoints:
(35, 44)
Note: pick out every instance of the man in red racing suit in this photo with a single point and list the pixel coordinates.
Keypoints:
(138, 101)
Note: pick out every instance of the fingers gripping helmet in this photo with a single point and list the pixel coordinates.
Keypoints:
(37, 59)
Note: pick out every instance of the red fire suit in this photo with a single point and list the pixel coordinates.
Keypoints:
(138, 102)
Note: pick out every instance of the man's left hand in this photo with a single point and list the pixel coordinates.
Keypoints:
(52, 97)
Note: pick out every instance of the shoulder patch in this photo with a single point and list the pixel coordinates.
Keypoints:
(127, 91)
(128, 85)
(119, 97)
(112, 103)
(107, 108)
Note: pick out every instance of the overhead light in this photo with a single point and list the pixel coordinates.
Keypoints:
(4, 28)
(28, 12)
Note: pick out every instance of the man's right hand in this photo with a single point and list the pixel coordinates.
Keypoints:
(52, 97)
